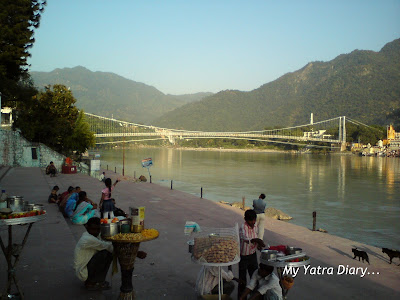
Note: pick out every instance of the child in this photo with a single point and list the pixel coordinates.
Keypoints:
(266, 283)
(249, 243)
(107, 203)
(53, 198)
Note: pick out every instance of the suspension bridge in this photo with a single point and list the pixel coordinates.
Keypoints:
(325, 133)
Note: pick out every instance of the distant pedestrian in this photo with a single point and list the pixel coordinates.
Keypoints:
(103, 177)
(259, 207)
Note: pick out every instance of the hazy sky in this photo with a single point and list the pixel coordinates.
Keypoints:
(197, 46)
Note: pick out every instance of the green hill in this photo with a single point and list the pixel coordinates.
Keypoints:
(108, 94)
(363, 85)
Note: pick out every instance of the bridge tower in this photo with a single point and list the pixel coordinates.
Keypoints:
(342, 133)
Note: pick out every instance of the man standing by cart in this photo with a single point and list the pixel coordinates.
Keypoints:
(249, 243)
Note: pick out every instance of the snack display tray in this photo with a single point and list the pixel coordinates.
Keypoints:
(130, 241)
(21, 221)
(282, 263)
(235, 261)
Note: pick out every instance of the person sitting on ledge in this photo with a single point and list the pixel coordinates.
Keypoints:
(70, 205)
(84, 209)
(62, 198)
(207, 281)
(93, 256)
(51, 169)
(53, 198)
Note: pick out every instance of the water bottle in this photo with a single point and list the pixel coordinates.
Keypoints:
(3, 199)
(3, 196)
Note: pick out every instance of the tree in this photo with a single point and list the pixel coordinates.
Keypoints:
(18, 20)
(81, 138)
(52, 118)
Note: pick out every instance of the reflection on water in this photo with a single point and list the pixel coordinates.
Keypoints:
(355, 197)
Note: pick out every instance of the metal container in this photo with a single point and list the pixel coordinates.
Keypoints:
(213, 235)
(109, 229)
(137, 228)
(16, 203)
(191, 245)
(125, 228)
(39, 207)
(122, 222)
(293, 250)
(29, 206)
(269, 255)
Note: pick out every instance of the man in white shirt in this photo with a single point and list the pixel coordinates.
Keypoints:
(92, 257)
(264, 284)
(207, 281)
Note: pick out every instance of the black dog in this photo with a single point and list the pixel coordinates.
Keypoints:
(391, 253)
(360, 254)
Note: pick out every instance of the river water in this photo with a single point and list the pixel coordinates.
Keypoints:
(355, 197)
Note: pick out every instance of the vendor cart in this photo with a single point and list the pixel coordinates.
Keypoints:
(14, 250)
(287, 261)
(216, 247)
(126, 251)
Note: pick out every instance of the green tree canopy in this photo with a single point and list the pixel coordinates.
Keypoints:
(52, 118)
(18, 20)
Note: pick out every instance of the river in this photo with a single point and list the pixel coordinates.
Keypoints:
(355, 197)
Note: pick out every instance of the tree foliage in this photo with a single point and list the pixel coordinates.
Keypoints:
(18, 20)
(52, 118)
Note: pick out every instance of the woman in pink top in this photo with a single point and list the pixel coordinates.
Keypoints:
(107, 203)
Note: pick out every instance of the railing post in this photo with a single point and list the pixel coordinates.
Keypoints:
(243, 200)
(171, 184)
(150, 178)
(314, 215)
(115, 169)
(201, 192)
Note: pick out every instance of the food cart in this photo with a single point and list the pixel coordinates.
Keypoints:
(216, 247)
(14, 250)
(126, 247)
(284, 259)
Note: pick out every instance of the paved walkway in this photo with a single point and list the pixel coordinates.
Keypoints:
(45, 270)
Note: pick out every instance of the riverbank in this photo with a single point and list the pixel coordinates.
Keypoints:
(45, 270)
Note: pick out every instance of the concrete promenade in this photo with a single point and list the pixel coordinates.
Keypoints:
(45, 270)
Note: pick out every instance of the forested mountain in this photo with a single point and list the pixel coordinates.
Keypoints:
(363, 85)
(109, 94)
